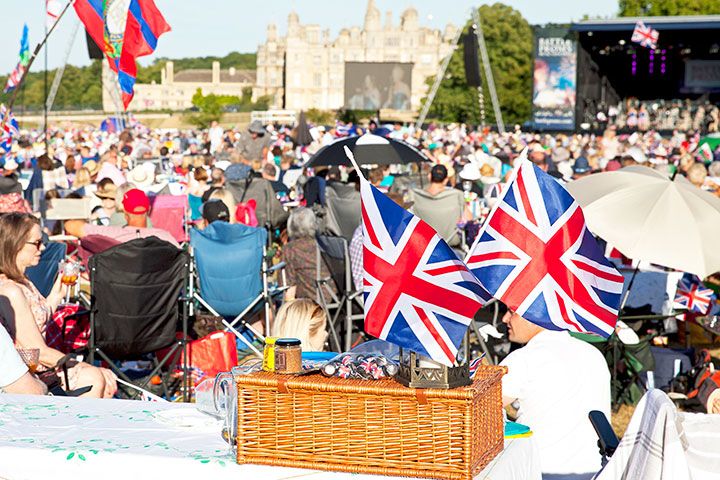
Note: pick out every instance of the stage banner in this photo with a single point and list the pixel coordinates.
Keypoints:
(554, 79)
(702, 74)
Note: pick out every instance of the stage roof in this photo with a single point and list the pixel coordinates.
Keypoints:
(691, 22)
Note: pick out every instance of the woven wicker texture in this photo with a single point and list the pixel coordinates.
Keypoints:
(378, 427)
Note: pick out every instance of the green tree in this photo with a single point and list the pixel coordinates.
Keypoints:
(509, 41)
(652, 8)
(210, 107)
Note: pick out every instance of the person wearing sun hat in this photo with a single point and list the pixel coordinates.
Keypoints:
(137, 207)
(106, 191)
(9, 182)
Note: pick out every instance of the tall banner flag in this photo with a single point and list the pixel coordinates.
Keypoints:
(554, 79)
(53, 8)
(418, 293)
(16, 75)
(645, 35)
(535, 254)
(125, 30)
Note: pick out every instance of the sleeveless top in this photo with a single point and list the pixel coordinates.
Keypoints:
(38, 304)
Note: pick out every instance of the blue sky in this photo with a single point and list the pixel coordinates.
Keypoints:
(216, 27)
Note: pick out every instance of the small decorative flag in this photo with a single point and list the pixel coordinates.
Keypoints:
(693, 296)
(645, 35)
(706, 152)
(535, 254)
(10, 128)
(418, 293)
(16, 75)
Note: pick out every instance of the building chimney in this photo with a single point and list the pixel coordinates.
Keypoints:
(162, 75)
(388, 19)
(216, 73)
(170, 72)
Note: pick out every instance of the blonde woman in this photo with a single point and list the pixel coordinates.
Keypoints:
(305, 320)
(227, 199)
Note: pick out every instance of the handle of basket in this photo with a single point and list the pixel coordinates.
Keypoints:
(421, 396)
(282, 385)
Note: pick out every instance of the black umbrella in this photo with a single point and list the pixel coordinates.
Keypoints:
(368, 149)
(302, 132)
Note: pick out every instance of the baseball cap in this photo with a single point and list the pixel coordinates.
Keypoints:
(136, 202)
(215, 209)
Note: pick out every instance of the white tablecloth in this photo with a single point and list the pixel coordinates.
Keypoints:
(57, 437)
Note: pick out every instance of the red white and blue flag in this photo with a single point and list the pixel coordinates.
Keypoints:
(143, 25)
(645, 35)
(418, 293)
(693, 296)
(535, 254)
(10, 128)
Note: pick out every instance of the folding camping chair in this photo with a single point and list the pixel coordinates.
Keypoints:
(43, 274)
(231, 272)
(169, 212)
(343, 209)
(333, 252)
(136, 297)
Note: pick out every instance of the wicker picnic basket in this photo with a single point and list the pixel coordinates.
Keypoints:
(377, 427)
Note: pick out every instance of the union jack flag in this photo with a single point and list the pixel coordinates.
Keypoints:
(418, 294)
(644, 35)
(693, 295)
(10, 128)
(535, 254)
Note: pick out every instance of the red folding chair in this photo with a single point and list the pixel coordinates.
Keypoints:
(169, 212)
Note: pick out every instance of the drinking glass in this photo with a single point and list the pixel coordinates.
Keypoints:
(70, 272)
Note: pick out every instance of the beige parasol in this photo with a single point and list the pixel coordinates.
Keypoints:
(647, 216)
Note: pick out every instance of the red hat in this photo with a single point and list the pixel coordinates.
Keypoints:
(136, 202)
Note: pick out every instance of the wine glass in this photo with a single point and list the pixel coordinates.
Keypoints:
(70, 272)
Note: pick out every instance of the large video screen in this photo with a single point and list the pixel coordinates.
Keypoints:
(554, 80)
(376, 85)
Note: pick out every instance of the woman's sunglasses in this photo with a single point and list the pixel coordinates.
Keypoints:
(37, 243)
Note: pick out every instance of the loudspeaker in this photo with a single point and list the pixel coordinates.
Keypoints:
(94, 52)
(472, 61)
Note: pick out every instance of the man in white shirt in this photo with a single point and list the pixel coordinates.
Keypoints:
(14, 375)
(556, 380)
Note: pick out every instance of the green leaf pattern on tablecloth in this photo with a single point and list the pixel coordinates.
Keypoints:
(83, 449)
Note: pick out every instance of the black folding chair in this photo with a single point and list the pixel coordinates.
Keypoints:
(136, 298)
(335, 292)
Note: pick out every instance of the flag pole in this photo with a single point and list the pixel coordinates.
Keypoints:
(351, 157)
(34, 55)
(45, 88)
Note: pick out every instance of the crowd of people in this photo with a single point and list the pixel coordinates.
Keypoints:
(660, 115)
(257, 177)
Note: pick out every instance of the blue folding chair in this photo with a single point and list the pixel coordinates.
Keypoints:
(229, 269)
(43, 274)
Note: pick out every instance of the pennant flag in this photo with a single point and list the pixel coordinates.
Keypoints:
(16, 75)
(693, 296)
(645, 35)
(125, 30)
(535, 254)
(418, 294)
(10, 128)
(53, 8)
